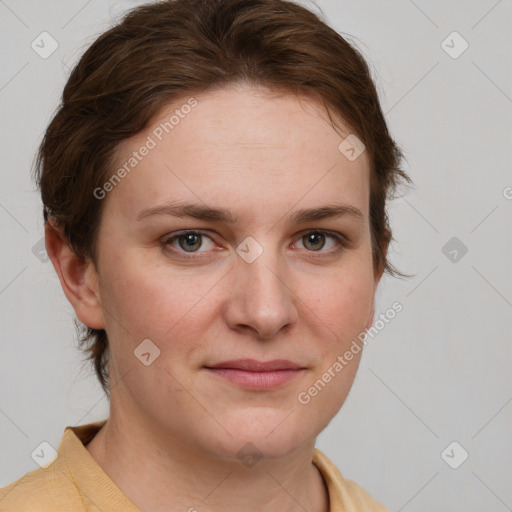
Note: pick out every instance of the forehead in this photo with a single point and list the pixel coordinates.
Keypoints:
(241, 144)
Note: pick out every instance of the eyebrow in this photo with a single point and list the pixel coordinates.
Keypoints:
(224, 215)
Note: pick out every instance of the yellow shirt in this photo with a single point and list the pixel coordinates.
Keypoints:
(75, 482)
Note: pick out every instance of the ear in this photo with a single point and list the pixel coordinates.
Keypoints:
(78, 277)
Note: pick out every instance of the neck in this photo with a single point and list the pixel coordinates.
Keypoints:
(157, 472)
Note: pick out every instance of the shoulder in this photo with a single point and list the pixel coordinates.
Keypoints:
(360, 499)
(345, 495)
(40, 490)
(55, 487)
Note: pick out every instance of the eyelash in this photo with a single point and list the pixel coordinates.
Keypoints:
(338, 237)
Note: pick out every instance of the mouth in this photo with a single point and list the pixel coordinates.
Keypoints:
(257, 375)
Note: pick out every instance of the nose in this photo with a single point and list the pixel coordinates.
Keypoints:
(261, 298)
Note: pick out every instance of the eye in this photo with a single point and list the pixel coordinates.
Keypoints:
(315, 241)
(185, 244)
(188, 242)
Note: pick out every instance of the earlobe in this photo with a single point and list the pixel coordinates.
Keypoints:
(78, 277)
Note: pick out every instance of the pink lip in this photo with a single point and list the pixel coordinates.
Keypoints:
(252, 374)
(251, 365)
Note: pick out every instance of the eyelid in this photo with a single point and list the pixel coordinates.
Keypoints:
(177, 234)
(340, 238)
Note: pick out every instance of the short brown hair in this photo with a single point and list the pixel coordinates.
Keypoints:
(164, 51)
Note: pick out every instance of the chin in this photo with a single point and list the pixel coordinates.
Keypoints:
(261, 432)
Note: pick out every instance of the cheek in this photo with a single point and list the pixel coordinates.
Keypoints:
(345, 307)
(173, 308)
(345, 310)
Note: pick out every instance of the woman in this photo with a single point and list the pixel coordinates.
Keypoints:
(214, 187)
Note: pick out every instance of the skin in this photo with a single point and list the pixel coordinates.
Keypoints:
(263, 155)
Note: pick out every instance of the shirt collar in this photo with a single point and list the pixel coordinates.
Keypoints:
(73, 455)
(91, 481)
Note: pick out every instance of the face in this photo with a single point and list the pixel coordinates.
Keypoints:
(265, 285)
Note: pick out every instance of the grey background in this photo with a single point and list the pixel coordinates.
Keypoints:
(438, 373)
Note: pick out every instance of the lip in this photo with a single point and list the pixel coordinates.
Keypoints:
(252, 365)
(258, 375)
